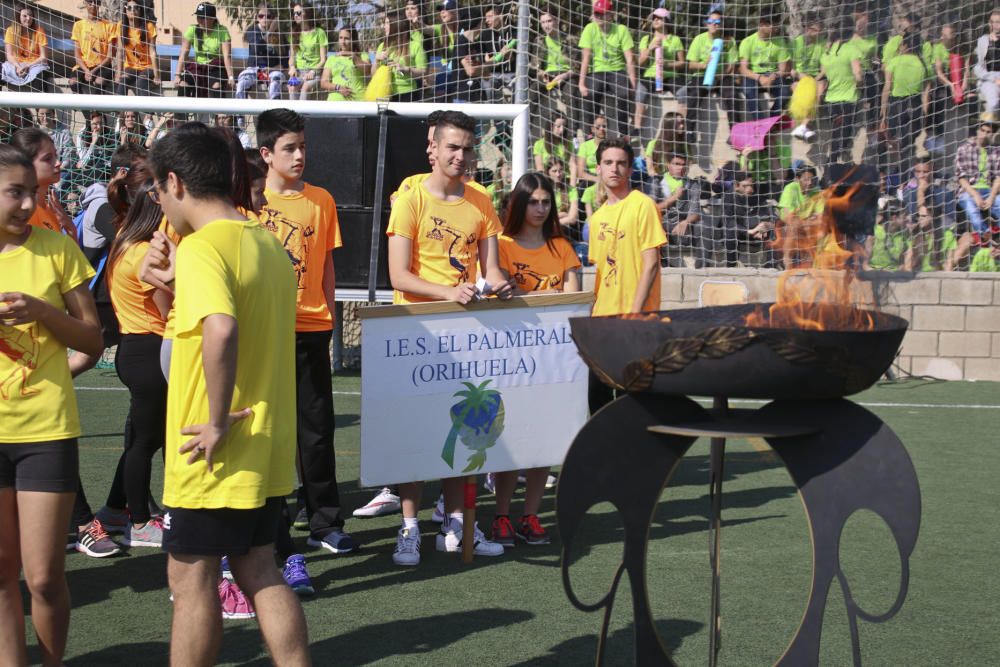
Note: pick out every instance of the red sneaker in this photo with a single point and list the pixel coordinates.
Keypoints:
(531, 530)
(503, 531)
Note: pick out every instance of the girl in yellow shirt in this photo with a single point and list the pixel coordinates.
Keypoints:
(45, 307)
(537, 258)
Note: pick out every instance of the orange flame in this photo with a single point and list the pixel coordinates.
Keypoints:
(821, 292)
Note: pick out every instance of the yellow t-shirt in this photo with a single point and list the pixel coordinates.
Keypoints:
(236, 269)
(131, 298)
(45, 218)
(94, 39)
(537, 269)
(306, 224)
(618, 235)
(37, 401)
(413, 181)
(445, 236)
(29, 47)
(137, 52)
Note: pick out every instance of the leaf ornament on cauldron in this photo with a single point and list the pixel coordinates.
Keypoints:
(477, 421)
(792, 350)
(676, 354)
(639, 375)
(720, 342)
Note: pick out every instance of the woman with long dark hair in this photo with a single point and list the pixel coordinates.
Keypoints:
(555, 143)
(308, 53)
(26, 47)
(94, 146)
(537, 258)
(405, 56)
(136, 65)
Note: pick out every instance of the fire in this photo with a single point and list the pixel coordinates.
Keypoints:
(821, 292)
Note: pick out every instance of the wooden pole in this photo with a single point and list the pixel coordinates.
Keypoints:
(468, 519)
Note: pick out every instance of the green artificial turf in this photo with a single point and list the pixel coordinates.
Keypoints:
(513, 611)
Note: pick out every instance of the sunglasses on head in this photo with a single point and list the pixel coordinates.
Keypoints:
(714, 21)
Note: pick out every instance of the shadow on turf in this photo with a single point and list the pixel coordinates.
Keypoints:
(620, 646)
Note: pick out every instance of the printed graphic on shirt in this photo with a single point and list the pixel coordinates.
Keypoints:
(532, 281)
(458, 244)
(293, 237)
(20, 346)
(609, 231)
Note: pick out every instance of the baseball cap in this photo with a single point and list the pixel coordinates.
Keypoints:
(206, 10)
(602, 6)
(448, 6)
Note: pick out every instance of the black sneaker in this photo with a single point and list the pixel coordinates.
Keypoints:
(301, 520)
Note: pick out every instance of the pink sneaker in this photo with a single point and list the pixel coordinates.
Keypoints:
(235, 604)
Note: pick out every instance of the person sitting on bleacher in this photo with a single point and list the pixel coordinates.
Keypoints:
(746, 220)
(679, 200)
(765, 61)
(93, 39)
(267, 56)
(213, 56)
(26, 47)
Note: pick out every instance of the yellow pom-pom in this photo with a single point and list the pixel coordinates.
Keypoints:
(802, 106)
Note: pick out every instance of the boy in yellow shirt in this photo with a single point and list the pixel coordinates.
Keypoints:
(625, 239)
(304, 219)
(230, 404)
(441, 233)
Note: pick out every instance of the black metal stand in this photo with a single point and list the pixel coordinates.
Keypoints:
(841, 458)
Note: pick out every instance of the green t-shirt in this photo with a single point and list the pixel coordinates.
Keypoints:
(307, 51)
(887, 249)
(983, 262)
(343, 72)
(948, 243)
(588, 150)
(672, 45)
(890, 49)
(589, 196)
(806, 57)
(415, 57)
(935, 53)
(607, 49)
(556, 61)
(209, 47)
(563, 205)
(802, 204)
(908, 75)
(836, 62)
(866, 46)
(562, 151)
(701, 50)
(448, 40)
(764, 55)
(984, 170)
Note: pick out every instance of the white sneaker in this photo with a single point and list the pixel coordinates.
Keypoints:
(451, 540)
(386, 502)
(803, 132)
(490, 484)
(438, 516)
(407, 548)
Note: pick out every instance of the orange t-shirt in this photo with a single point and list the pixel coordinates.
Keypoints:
(445, 235)
(537, 269)
(131, 298)
(29, 47)
(45, 218)
(306, 225)
(138, 53)
(94, 39)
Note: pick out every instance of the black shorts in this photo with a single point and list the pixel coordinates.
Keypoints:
(52, 466)
(220, 532)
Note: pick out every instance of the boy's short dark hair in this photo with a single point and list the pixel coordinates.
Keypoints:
(199, 157)
(806, 168)
(274, 123)
(740, 176)
(616, 142)
(11, 156)
(434, 117)
(455, 119)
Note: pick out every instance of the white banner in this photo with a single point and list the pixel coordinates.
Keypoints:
(448, 390)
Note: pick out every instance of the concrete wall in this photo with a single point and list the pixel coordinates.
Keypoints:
(954, 318)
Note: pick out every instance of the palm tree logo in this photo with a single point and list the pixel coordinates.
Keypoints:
(477, 420)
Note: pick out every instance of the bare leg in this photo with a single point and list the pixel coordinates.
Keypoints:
(12, 642)
(196, 631)
(43, 518)
(534, 489)
(279, 612)
(409, 498)
(453, 492)
(505, 483)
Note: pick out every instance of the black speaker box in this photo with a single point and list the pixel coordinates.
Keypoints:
(342, 156)
(352, 261)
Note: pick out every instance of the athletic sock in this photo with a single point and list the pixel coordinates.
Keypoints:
(411, 524)
(455, 520)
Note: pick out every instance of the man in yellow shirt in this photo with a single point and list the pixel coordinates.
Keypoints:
(230, 448)
(441, 233)
(626, 234)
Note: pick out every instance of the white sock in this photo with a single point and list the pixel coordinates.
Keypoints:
(455, 521)
(411, 524)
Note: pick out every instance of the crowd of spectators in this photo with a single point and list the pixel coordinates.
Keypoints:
(884, 97)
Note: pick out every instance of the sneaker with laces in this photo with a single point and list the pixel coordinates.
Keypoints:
(235, 604)
(438, 515)
(530, 530)
(149, 535)
(114, 521)
(227, 573)
(385, 502)
(297, 576)
(407, 548)
(301, 521)
(451, 540)
(503, 531)
(94, 541)
(336, 541)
